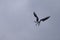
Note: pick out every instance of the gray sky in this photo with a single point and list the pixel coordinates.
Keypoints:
(17, 20)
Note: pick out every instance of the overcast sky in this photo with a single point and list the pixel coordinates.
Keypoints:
(17, 20)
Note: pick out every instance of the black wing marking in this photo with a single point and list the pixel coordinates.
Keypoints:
(45, 18)
(36, 16)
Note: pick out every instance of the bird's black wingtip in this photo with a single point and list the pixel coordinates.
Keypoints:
(48, 16)
(33, 12)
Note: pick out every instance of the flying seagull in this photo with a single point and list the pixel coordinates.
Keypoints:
(37, 19)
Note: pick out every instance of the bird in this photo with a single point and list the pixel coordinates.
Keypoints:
(39, 21)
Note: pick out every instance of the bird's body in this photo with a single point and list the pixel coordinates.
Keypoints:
(37, 19)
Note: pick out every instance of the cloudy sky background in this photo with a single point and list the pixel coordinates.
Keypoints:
(17, 20)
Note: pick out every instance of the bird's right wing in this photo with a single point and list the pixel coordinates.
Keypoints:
(35, 14)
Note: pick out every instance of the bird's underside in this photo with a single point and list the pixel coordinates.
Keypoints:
(39, 21)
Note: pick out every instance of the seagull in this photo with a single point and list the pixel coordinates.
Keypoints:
(39, 21)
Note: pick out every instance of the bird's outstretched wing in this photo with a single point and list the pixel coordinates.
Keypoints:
(35, 16)
(45, 18)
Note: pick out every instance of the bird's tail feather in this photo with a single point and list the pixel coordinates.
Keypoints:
(39, 22)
